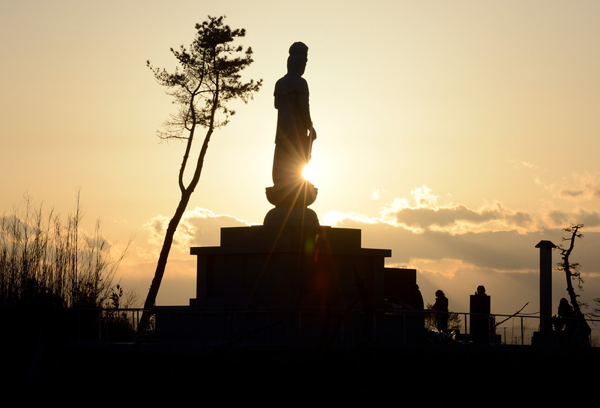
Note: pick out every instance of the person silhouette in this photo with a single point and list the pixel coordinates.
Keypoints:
(566, 315)
(441, 308)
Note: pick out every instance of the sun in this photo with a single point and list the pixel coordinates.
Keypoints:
(309, 172)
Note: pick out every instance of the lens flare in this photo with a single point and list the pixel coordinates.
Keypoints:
(308, 172)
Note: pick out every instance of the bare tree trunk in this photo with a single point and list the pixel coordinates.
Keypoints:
(186, 194)
(567, 268)
(162, 262)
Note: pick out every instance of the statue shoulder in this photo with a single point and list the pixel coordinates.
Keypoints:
(291, 83)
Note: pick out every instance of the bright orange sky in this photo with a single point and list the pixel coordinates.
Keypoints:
(458, 134)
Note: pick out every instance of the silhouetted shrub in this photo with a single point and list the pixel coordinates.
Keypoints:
(49, 265)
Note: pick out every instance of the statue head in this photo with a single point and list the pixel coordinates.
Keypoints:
(296, 62)
(299, 48)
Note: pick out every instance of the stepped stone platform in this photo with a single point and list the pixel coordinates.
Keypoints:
(292, 266)
(290, 285)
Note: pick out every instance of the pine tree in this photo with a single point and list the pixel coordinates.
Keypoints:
(206, 79)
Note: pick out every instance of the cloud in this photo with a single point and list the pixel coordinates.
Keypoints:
(564, 218)
(460, 219)
(493, 237)
(423, 213)
(446, 267)
(198, 227)
(505, 262)
(450, 245)
(583, 186)
(376, 195)
(522, 164)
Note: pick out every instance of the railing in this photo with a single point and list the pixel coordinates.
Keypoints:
(212, 326)
(521, 329)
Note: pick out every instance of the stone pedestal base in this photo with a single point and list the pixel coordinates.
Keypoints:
(291, 216)
(291, 205)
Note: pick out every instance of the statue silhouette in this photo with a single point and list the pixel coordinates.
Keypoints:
(295, 133)
(291, 194)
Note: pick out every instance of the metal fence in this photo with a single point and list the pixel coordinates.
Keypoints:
(521, 329)
(278, 326)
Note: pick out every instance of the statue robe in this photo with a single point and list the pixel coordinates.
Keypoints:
(292, 138)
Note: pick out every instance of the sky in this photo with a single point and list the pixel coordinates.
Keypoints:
(458, 134)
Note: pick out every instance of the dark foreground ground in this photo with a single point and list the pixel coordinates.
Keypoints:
(130, 375)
